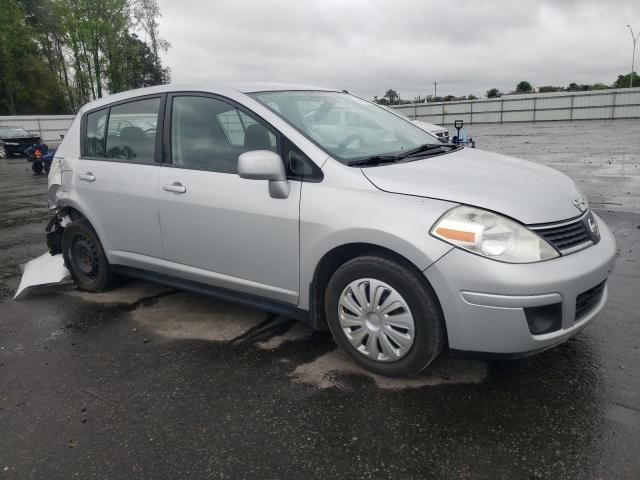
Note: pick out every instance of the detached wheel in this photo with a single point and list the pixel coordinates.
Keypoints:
(384, 316)
(84, 257)
(36, 167)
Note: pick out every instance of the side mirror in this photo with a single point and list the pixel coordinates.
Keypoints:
(265, 165)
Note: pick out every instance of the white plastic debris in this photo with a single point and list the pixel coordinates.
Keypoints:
(45, 270)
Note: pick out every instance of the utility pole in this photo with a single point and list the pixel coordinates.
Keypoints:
(633, 57)
(435, 89)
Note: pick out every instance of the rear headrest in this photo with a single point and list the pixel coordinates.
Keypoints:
(130, 135)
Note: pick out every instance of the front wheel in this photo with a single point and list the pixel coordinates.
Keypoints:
(85, 258)
(384, 316)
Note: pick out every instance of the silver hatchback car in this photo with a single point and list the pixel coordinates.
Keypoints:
(318, 205)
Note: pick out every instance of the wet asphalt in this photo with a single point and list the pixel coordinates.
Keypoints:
(148, 382)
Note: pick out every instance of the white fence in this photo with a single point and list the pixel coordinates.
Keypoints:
(567, 106)
(49, 127)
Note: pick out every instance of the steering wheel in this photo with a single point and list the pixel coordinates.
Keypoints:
(348, 141)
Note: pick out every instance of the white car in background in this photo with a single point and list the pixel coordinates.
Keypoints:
(441, 133)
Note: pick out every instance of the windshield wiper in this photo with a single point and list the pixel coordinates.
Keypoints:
(375, 160)
(380, 159)
(425, 148)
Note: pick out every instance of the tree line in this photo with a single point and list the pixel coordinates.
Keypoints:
(56, 55)
(392, 97)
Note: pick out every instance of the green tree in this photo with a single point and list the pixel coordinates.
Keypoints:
(26, 86)
(524, 87)
(549, 88)
(471, 97)
(493, 93)
(624, 81)
(392, 96)
(147, 14)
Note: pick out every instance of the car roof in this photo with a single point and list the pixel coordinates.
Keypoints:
(220, 88)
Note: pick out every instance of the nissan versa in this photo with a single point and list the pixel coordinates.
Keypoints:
(318, 205)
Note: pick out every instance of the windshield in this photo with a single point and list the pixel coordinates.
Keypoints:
(346, 126)
(10, 132)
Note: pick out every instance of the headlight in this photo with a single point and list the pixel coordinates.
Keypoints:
(491, 235)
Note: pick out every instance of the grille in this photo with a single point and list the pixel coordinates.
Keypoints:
(567, 236)
(587, 300)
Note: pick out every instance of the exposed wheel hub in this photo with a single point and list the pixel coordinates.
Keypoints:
(84, 257)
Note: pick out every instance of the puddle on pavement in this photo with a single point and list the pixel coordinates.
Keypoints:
(329, 371)
(180, 315)
(128, 293)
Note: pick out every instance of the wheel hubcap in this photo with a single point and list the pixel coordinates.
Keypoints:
(376, 320)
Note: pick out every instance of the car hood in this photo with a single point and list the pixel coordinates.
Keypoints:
(525, 191)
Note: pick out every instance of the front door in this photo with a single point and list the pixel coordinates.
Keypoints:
(217, 228)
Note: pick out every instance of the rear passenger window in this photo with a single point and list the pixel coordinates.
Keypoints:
(209, 134)
(95, 133)
(131, 134)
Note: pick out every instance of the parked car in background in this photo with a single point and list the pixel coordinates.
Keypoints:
(14, 141)
(441, 133)
(402, 245)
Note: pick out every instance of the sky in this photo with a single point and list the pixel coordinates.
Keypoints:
(367, 47)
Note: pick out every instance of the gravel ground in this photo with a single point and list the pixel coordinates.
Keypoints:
(148, 382)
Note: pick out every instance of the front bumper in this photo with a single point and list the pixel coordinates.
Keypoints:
(483, 300)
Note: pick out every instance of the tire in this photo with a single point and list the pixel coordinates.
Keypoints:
(36, 167)
(397, 290)
(84, 257)
(47, 167)
(3, 151)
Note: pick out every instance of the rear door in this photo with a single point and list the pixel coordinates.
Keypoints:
(218, 228)
(116, 179)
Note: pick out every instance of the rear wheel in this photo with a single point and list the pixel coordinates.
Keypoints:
(85, 258)
(384, 316)
(36, 167)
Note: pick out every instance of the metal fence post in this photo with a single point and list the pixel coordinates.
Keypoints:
(40, 131)
(471, 113)
(573, 95)
(501, 108)
(534, 108)
(613, 106)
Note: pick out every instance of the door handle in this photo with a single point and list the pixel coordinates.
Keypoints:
(87, 177)
(175, 187)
